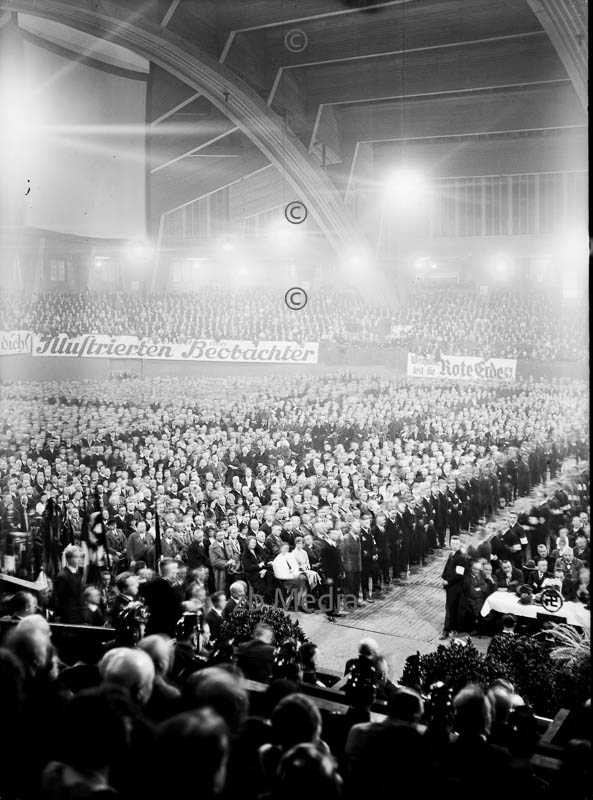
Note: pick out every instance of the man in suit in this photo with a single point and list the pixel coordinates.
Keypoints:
(370, 557)
(509, 577)
(569, 564)
(116, 544)
(539, 575)
(332, 568)
(452, 577)
(379, 531)
(238, 599)
(220, 560)
(197, 551)
(140, 545)
(513, 538)
(350, 550)
(393, 537)
(68, 589)
(214, 617)
(473, 598)
(256, 657)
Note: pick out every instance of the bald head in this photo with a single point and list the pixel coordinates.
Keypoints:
(32, 647)
(129, 669)
(159, 649)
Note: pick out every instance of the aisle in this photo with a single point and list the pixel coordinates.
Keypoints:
(408, 620)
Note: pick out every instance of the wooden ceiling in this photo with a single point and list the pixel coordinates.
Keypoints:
(473, 86)
(481, 77)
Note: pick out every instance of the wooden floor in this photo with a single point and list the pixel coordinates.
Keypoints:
(408, 620)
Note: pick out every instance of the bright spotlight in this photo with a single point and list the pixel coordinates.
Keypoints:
(18, 118)
(405, 187)
(139, 252)
(356, 259)
(281, 233)
(574, 246)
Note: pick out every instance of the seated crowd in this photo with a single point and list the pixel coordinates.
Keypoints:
(508, 324)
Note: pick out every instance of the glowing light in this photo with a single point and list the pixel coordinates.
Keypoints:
(139, 252)
(18, 118)
(405, 187)
(573, 246)
(282, 234)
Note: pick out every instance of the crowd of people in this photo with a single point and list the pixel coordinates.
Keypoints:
(505, 323)
(295, 483)
(161, 508)
(158, 718)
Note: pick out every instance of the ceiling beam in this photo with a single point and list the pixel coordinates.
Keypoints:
(250, 11)
(170, 11)
(225, 90)
(565, 22)
(534, 108)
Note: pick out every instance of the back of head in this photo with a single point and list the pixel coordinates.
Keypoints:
(263, 632)
(160, 652)
(305, 771)
(472, 712)
(23, 604)
(368, 647)
(91, 731)
(501, 703)
(295, 720)
(403, 742)
(220, 689)
(508, 621)
(132, 670)
(35, 622)
(405, 705)
(202, 734)
(31, 646)
(276, 691)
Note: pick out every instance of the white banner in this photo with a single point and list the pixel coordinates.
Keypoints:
(100, 346)
(14, 343)
(462, 368)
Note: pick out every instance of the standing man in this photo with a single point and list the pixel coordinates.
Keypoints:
(140, 546)
(68, 589)
(379, 531)
(453, 578)
(350, 549)
(370, 557)
(331, 565)
(393, 537)
(514, 539)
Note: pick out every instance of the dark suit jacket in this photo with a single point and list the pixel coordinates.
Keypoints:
(256, 658)
(515, 581)
(197, 555)
(215, 622)
(68, 597)
(350, 549)
(331, 562)
(535, 582)
(451, 574)
(139, 549)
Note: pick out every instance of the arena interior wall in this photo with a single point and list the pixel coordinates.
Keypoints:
(29, 368)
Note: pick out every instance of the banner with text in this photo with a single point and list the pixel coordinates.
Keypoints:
(99, 346)
(15, 343)
(460, 368)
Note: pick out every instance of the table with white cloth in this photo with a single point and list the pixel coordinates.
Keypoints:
(508, 603)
